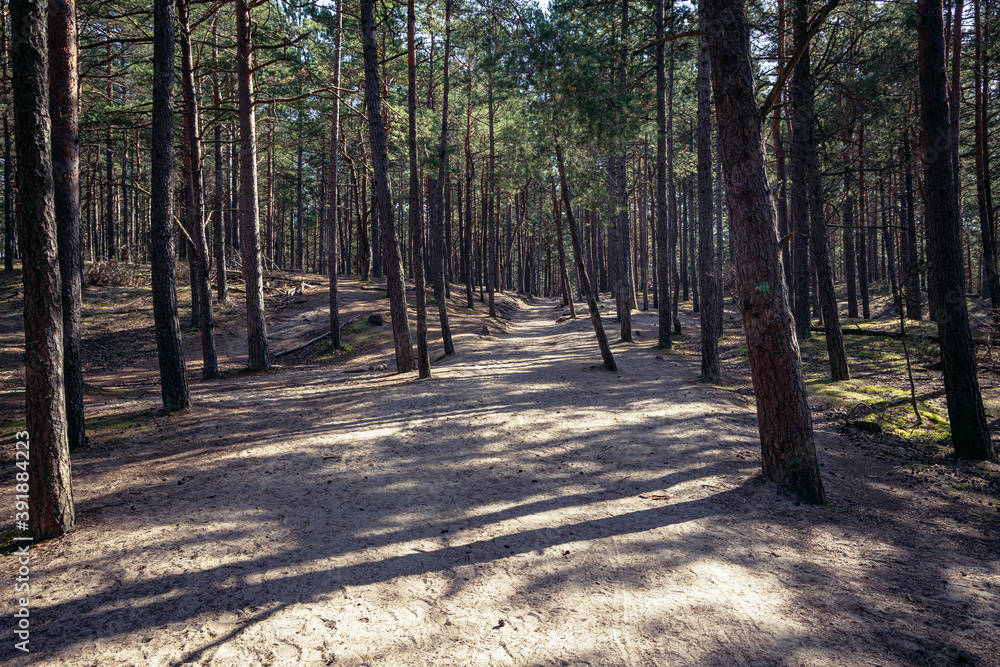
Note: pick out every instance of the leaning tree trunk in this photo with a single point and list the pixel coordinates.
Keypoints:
(49, 487)
(65, 110)
(173, 381)
(249, 220)
(334, 215)
(416, 213)
(786, 434)
(196, 199)
(581, 269)
(711, 290)
(380, 164)
(969, 430)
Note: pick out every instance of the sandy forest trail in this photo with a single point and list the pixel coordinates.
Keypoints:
(522, 507)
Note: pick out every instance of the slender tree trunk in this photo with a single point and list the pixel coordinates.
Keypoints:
(416, 215)
(300, 254)
(470, 172)
(661, 232)
(862, 222)
(982, 173)
(817, 214)
(8, 188)
(969, 430)
(439, 253)
(800, 89)
(249, 221)
(911, 260)
(490, 227)
(619, 246)
(334, 215)
(560, 243)
(8, 196)
(788, 451)
(672, 197)
(64, 112)
(109, 160)
(850, 252)
(220, 236)
(955, 102)
(380, 162)
(711, 290)
(173, 380)
(196, 198)
(50, 492)
(595, 311)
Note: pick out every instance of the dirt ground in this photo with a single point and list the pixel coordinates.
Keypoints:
(521, 507)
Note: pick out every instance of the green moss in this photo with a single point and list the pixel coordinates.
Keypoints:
(120, 421)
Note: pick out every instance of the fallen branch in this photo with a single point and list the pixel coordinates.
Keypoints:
(317, 338)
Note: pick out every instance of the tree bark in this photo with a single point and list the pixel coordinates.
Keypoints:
(817, 214)
(110, 223)
(799, 90)
(911, 259)
(581, 269)
(50, 492)
(220, 235)
(439, 252)
(249, 221)
(788, 451)
(982, 172)
(711, 290)
(969, 430)
(380, 162)
(661, 232)
(416, 214)
(334, 215)
(173, 380)
(196, 198)
(561, 245)
(64, 110)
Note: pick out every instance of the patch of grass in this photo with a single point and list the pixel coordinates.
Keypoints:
(119, 421)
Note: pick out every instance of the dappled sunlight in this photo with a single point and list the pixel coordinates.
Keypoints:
(522, 501)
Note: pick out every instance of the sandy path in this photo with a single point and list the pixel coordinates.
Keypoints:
(491, 516)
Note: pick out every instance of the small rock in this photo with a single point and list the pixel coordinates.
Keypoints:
(376, 320)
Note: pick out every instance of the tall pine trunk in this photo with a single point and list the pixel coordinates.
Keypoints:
(814, 195)
(711, 290)
(969, 430)
(982, 171)
(249, 221)
(416, 214)
(50, 491)
(334, 215)
(196, 199)
(581, 270)
(64, 110)
(218, 228)
(440, 250)
(661, 232)
(173, 378)
(380, 163)
(786, 434)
